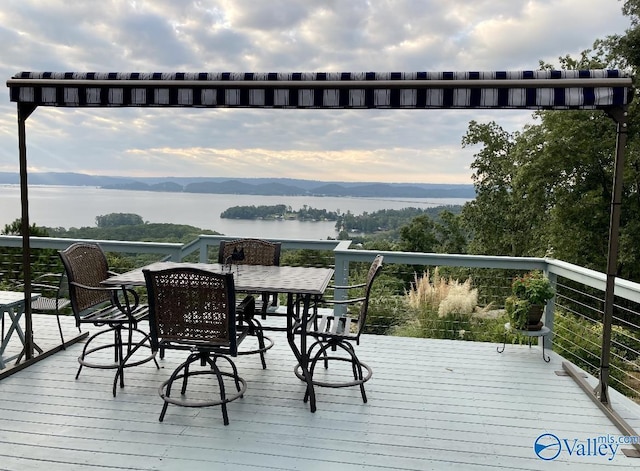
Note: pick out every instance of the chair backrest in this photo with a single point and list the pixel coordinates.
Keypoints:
(85, 264)
(374, 271)
(253, 252)
(191, 306)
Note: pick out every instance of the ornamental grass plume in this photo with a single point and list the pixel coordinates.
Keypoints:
(445, 309)
(438, 295)
(427, 292)
(461, 299)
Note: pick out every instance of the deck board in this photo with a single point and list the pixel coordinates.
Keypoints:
(433, 404)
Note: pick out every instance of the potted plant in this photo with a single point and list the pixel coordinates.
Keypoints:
(529, 294)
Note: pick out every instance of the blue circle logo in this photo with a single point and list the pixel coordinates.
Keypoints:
(547, 446)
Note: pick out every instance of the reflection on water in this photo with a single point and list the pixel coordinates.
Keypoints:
(64, 206)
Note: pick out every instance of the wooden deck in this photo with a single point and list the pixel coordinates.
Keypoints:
(433, 404)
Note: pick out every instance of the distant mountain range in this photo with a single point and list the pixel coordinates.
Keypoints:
(249, 186)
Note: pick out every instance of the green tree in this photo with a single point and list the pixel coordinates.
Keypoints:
(15, 228)
(492, 216)
(418, 235)
(119, 219)
(570, 178)
(549, 186)
(451, 233)
(42, 260)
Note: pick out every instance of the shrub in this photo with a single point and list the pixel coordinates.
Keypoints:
(443, 308)
(580, 341)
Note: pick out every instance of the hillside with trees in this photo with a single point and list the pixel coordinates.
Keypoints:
(128, 226)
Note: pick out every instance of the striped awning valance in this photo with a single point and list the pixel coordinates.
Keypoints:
(566, 89)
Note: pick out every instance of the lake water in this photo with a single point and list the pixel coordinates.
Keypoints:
(66, 206)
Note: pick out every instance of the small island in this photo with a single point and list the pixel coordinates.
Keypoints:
(381, 221)
(278, 212)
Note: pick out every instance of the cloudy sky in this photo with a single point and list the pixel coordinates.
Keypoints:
(277, 36)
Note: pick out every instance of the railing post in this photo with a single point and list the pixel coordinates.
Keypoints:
(204, 250)
(549, 312)
(176, 255)
(341, 278)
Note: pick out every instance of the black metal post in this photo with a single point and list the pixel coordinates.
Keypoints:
(620, 116)
(23, 113)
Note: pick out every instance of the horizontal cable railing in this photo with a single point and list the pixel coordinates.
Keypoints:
(578, 333)
(574, 316)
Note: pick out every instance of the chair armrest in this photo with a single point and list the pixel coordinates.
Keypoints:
(359, 285)
(97, 288)
(44, 286)
(246, 308)
(114, 291)
(45, 276)
(36, 285)
(247, 303)
(343, 301)
(47, 279)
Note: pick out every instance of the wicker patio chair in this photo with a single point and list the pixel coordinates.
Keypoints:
(114, 309)
(54, 296)
(253, 252)
(194, 310)
(335, 330)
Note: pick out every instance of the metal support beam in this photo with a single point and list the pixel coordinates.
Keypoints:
(24, 111)
(600, 394)
(620, 116)
(613, 416)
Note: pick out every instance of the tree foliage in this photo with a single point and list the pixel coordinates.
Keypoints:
(15, 228)
(149, 232)
(11, 266)
(547, 189)
(388, 221)
(278, 211)
(418, 235)
(119, 219)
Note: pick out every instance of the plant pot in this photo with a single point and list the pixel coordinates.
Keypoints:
(535, 316)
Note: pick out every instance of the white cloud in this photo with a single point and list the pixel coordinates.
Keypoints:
(280, 35)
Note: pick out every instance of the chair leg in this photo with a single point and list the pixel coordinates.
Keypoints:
(60, 330)
(119, 352)
(261, 345)
(357, 371)
(169, 383)
(131, 350)
(357, 366)
(255, 329)
(164, 411)
(183, 391)
(84, 351)
(234, 369)
(117, 342)
(89, 349)
(223, 393)
(312, 365)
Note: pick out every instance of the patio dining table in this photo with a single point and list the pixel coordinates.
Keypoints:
(302, 285)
